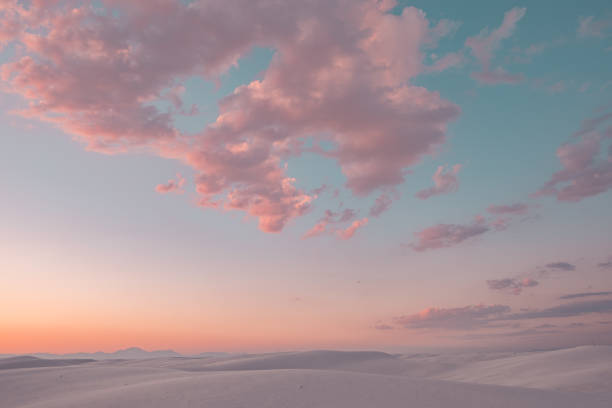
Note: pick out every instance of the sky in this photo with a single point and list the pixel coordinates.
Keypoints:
(245, 175)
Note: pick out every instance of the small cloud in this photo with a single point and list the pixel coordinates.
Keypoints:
(605, 265)
(484, 45)
(447, 235)
(592, 27)
(172, 186)
(585, 294)
(512, 209)
(512, 285)
(330, 217)
(445, 181)
(557, 87)
(383, 327)
(383, 203)
(561, 266)
(350, 231)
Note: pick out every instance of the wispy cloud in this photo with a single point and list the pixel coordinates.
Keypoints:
(594, 27)
(583, 174)
(561, 266)
(511, 285)
(484, 45)
(481, 316)
(461, 318)
(447, 235)
(584, 294)
(512, 209)
(445, 181)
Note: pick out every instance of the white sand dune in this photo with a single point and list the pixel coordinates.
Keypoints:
(309, 379)
(587, 368)
(31, 362)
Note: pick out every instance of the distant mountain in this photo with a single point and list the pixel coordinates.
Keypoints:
(132, 353)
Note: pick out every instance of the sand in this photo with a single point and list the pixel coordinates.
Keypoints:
(576, 377)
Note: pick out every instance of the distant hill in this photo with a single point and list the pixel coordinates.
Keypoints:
(132, 353)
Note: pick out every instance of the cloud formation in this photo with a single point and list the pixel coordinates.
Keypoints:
(349, 231)
(583, 295)
(484, 45)
(341, 68)
(583, 174)
(445, 181)
(593, 27)
(511, 209)
(480, 316)
(564, 310)
(383, 203)
(512, 285)
(330, 217)
(447, 235)
(561, 266)
(461, 318)
(605, 265)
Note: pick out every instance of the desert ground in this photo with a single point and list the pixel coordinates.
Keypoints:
(575, 377)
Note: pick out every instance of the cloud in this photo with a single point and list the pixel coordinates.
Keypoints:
(452, 59)
(557, 87)
(480, 316)
(383, 327)
(484, 45)
(561, 266)
(447, 235)
(583, 174)
(351, 229)
(512, 285)
(330, 217)
(444, 182)
(585, 294)
(605, 265)
(592, 27)
(512, 209)
(172, 186)
(461, 318)
(383, 203)
(341, 68)
(564, 310)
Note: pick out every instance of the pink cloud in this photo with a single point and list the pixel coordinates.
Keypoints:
(583, 174)
(172, 186)
(318, 229)
(460, 318)
(452, 59)
(330, 217)
(593, 27)
(511, 209)
(351, 229)
(341, 68)
(444, 182)
(447, 235)
(383, 203)
(484, 45)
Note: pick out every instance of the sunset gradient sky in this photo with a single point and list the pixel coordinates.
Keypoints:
(269, 175)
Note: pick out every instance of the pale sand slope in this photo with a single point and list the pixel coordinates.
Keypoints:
(31, 362)
(292, 380)
(587, 368)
